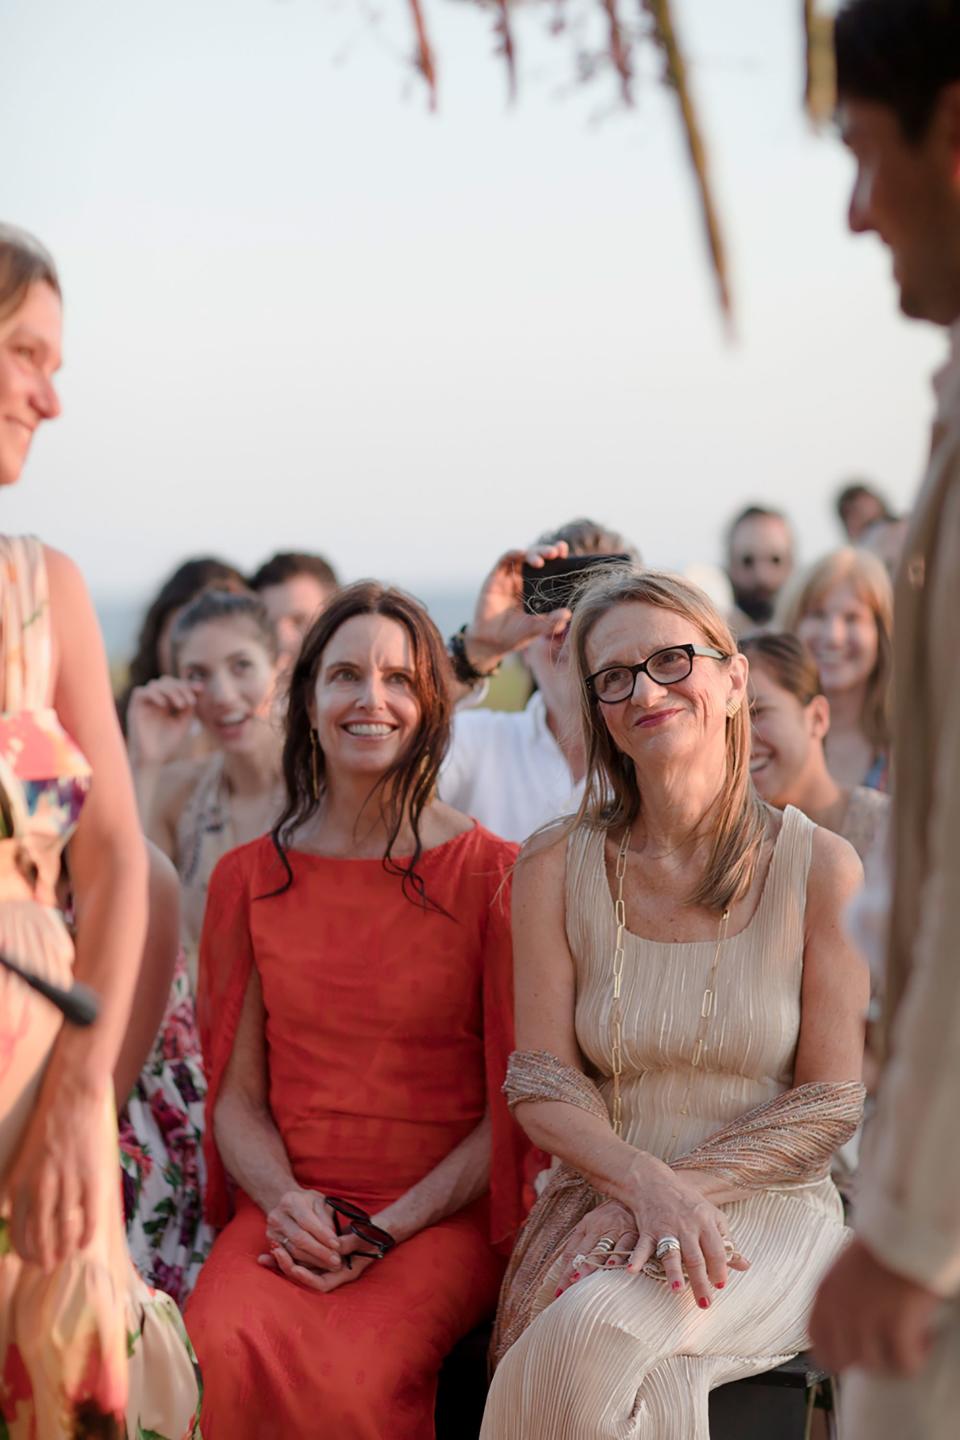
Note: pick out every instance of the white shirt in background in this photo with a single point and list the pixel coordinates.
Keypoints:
(506, 769)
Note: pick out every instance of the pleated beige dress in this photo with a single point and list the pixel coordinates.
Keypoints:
(621, 1355)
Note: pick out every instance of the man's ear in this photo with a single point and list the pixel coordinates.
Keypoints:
(819, 716)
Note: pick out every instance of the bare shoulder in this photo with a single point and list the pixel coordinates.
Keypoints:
(63, 574)
(442, 823)
(541, 867)
(836, 875)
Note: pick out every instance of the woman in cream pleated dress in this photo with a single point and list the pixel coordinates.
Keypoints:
(723, 1015)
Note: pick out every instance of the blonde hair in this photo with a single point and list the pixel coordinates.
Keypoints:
(612, 797)
(870, 580)
(23, 261)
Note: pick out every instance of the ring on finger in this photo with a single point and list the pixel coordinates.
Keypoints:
(579, 1261)
(665, 1244)
(605, 1245)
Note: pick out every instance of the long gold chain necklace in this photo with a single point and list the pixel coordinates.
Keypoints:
(708, 1005)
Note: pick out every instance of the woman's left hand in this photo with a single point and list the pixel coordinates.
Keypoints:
(610, 1221)
(279, 1258)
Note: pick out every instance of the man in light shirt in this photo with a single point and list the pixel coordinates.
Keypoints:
(517, 770)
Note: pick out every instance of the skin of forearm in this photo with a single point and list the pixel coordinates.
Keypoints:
(252, 1150)
(111, 928)
(461, 1177)
(606, 1162)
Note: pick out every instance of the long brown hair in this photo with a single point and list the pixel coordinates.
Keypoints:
(870, 580)
(23, 261)
(408, 785)
(612, 797)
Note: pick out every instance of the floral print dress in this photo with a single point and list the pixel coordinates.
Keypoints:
(87, 1349)
(161, 1153)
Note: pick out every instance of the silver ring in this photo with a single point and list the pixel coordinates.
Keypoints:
(286, 1242)
(605, 1245)
(665, 1244)
(579, 1261)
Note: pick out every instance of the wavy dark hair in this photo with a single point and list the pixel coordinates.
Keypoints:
(408, 785)
(188, 581)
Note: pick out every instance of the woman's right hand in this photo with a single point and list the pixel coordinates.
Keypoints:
(665, 1202)
(158, 720)
(302, 1225)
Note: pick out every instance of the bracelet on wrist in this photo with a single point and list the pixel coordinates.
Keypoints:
(463, 667)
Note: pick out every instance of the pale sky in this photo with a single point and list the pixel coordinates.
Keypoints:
(303, 311)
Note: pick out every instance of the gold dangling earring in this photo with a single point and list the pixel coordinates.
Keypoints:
(314, 764)
(733, 707)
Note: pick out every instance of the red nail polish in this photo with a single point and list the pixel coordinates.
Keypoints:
(678, 1284)
(558, 1294)
(576, 1274)
(704, 1303)
(720, 1284)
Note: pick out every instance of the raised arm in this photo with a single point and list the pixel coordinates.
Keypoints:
(55, 1185)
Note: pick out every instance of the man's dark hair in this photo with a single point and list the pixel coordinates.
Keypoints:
(899, 53)
(589, 537)
(856, 490)
(753, 512)
(287, 563)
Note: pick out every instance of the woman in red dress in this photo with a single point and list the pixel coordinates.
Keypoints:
(356, 1013)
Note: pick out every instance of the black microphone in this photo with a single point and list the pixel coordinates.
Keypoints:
(79, 1005)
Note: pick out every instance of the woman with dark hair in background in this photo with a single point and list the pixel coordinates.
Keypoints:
(85, 1348)
(153, 656)
(790, 716)
(356, 1015)
(224, 675)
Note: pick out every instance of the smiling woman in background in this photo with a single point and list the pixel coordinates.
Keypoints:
(790, 717)
(842, 609)
(224, 653)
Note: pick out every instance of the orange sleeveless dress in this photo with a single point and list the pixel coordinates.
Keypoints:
(388, 1029)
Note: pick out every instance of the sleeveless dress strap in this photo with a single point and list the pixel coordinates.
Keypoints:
(781, 919)
(586, 893)
(25, 635)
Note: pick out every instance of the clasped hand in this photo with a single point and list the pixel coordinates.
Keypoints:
(304, 1244)
(665, 1203)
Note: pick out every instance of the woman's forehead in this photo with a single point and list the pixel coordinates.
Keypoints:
(840, 591)
(214, 639)
(633, 630)
(379, 637)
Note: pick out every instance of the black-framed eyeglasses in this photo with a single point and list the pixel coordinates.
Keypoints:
(617, 683)
(362, 1226)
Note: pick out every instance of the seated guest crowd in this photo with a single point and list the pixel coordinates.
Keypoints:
(387, 1075)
